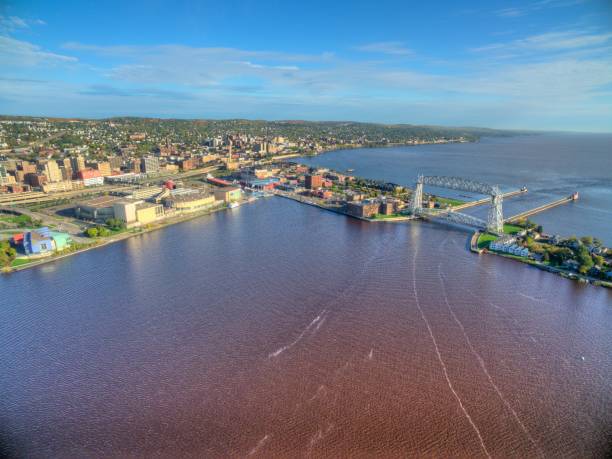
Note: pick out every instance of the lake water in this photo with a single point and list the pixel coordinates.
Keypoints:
(280, 330)
(551, 166)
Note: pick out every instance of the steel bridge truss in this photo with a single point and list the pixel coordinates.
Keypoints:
(495, 219)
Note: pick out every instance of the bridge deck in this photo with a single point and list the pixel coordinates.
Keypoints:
(486, 200)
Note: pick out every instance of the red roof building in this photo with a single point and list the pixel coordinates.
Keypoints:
(88, 174)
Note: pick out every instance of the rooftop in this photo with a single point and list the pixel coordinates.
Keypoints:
(189, 197)
(101, 201)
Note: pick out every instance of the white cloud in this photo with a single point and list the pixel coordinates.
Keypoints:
(12, 23)
(551, 41)
(561, 79)
(394, 48)
(23, 54)
(515, 12)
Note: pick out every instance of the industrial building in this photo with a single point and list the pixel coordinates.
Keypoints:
(147, 212)
(262, 184)
(228, 194)
(191, 202)
(98, 209)
(362, 209)
(149, 165)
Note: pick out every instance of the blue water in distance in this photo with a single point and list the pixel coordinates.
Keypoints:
(551, 166)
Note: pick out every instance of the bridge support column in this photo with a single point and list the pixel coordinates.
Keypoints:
(495, 221)
(417, 197)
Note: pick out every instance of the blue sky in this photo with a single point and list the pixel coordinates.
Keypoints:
(543, 64)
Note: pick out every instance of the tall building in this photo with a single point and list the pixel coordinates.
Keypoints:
(149, 164)
(103, 167)
(35, 180)
(27, 167)
(3, 174)
(115, 162)
(314, 181)
(77, 163)
(52, 171)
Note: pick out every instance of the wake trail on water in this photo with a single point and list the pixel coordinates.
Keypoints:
(315, 322)
(318, 321)
(442, 364)
(259, 444)
(482, 363)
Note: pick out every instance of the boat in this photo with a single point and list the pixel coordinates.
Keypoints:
(232, 205)
(350, 170)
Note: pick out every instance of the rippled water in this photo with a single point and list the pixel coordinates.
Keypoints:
(280, 330)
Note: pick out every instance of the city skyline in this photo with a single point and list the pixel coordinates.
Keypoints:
(542, 65)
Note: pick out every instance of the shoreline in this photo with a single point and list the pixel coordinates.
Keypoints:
(382, 145)
(551, 269)
(112, 239)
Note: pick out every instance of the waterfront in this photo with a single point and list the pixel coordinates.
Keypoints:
(278, 329)
(551, 166)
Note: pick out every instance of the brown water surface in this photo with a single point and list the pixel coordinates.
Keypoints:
(280, 330)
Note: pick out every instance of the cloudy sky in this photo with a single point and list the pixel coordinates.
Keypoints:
(543, 64)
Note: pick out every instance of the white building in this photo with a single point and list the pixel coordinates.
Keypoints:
(93, 181)
(511, 248)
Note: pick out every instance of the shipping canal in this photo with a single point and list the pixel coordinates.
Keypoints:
(280, 330)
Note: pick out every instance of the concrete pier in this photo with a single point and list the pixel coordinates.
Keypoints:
(537, 210)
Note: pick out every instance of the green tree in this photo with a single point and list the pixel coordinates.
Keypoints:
(598, 260)
(103, 232)
(115, 224)
(92, 232)
(585, 260)
(587, 240)
(559, 254)
(7, 254)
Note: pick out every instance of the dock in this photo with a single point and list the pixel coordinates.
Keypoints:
(542, 208)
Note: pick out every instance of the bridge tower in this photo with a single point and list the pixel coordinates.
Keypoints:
(417, 197)
(495, 220)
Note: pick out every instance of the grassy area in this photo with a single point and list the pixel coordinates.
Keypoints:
(20, 261)
(512, 229)
(19, 220)
(450, 201)
(484, 239)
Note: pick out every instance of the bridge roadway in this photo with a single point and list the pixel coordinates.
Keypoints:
(487, 200)
(456, 217)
